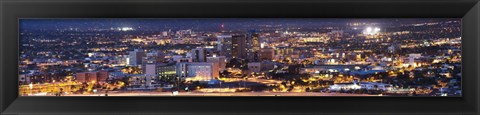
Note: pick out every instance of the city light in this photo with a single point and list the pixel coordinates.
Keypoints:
(371, 30)
(252, 57)
(125, 29)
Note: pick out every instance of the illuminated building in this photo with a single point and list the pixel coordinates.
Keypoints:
(166, 70)
(284, 50)
(253, 46)
(150, 72)
(371, 30)
(121, 60)
(135, 57)
(411, 59)
(165, 33)
(239, 48)
(148, 61)
(201, 54)
(326, 53)
(224, 45)
(101, 76)
(221, 61)
(141, 80)
(82, 77)
(267, 54)
(149, 66)
(197, 71)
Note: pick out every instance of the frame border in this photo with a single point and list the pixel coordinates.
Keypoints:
(12, 10)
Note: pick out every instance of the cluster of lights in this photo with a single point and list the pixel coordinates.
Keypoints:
(125, 29)
(371, 30)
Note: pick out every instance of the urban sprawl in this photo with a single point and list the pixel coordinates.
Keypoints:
(240, 57)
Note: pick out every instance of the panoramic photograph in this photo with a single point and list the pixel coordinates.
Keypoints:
(396, 57)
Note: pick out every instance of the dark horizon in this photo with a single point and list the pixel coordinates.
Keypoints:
(207, 24)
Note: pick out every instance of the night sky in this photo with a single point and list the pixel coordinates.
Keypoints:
(202, 24)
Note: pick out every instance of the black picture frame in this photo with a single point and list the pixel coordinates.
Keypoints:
(12, 10)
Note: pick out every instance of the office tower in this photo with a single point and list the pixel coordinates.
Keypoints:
(239, 48)
(253, 46)
(148, 60)
(201, 54)
(224, 45)
(135, 57)
(150, 73)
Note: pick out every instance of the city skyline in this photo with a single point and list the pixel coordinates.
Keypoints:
(240, 57)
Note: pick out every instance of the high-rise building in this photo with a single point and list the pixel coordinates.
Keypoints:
(224, 45)
(135, 57)
(148, 61)
(253, 46)
(239, 46)
(150, 73)
(153, 57)
(150, 69)
(201, 54)
(243, 46)
(149, 66)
